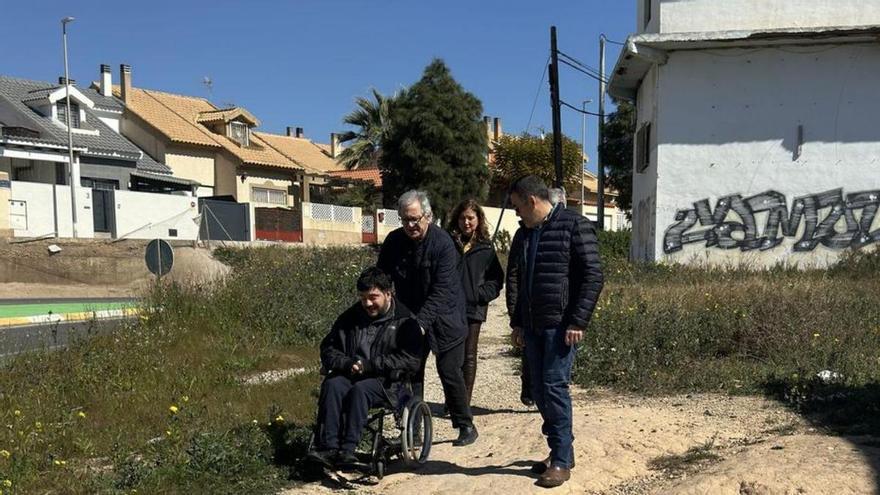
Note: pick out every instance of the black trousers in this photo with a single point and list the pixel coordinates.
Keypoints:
(449, 364)
(343, 408)
(525, 378)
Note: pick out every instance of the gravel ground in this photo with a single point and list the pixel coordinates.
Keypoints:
(754, 446)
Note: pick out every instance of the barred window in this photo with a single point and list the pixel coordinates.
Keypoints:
(266, 195)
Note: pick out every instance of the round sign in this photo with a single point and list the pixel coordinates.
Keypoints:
(159, 257)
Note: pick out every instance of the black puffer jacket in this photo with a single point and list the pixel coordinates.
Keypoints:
(481, 277)
(566, 279)
(427, 280)
(395, 353)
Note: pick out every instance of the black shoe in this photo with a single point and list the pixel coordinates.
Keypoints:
(526, 400)
(346, 458)
(322, 457)
(466, 436)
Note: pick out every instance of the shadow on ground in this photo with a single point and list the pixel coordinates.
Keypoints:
(851, 412)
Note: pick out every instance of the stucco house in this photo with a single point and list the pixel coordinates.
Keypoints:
(755, 138)
(33, 146)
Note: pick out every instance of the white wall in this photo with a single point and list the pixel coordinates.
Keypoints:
(35, 202)
(509, 222)
(727, 124)
(150, 216)
(729, 15)
(644, 193)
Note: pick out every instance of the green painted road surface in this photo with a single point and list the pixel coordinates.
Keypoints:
(13, 310)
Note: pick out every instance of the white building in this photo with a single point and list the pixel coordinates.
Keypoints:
(756, 142)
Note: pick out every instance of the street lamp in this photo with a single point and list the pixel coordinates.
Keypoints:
(583, 148)
(70, 172)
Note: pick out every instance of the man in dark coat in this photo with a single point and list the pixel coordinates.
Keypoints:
(372, 347)
(423, 263)
(554, 277)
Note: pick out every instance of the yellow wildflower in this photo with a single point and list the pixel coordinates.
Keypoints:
(57, 462)
(5, 454)
(173, 409)
(185, 398)
(7, 483)
(17, 412)
(815, 335)
(168, 432)
(81, 414)
(279, 418)
(38, 425)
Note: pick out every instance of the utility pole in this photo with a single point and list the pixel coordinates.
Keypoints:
(554, 102)
(600, 164)
(73, 175)
(583, 148)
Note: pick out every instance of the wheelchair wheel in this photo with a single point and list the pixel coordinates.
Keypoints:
(417, 435)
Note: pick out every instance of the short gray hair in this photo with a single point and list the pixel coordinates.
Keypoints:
(557, 195)
(412, 196)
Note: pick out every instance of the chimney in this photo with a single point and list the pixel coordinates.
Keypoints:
(295, 132)
(334, 145)
(106, 80)
(125, 81)
(487, 126)
(62, 81)
(300, 133)
(497, 131)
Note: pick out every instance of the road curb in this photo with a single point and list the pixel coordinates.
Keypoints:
(68, 317)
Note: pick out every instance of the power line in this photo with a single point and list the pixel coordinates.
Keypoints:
(614, 42)
(537, 94)
(582, 71)
(594, 72)
(576, 109)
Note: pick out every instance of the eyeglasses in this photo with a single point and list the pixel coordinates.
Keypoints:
(412, 221)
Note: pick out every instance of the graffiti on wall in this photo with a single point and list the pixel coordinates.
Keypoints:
(819, 213)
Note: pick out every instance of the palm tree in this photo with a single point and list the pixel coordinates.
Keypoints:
(372, 118)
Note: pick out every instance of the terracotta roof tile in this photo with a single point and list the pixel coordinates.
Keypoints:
(367, 174)
(177, 117)
(314, 157)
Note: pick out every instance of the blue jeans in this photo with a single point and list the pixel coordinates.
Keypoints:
(550, 361)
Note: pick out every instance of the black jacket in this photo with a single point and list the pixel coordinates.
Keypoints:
(427, 280)
(395, 353)
(481, 277)
(567, 276)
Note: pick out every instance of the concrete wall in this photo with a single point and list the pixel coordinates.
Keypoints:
(645, 182)
(120, 172)
(142, 135)
(269, 179)
(509, 222)
(153, 216)
(713, 15)
(33, 208)
(769, 133)
(324, 232)
(193, 165)
(5, 192)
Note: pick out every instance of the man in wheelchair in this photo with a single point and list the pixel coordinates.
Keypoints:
(372, 347)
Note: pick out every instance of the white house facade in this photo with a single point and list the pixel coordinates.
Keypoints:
(756, 142)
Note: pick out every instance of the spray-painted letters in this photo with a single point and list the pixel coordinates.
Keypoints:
(745, 235)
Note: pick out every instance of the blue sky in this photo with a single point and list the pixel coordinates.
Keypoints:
(302, 62)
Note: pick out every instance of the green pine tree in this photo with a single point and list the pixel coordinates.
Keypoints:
(437, 143)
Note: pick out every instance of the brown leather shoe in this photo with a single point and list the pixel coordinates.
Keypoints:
(554, 476)
(541, 466)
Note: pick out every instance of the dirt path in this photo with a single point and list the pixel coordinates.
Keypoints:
(712, 444)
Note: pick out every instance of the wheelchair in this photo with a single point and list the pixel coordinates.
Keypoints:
(401, 431)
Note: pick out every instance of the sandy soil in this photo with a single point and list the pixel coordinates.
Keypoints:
(757, 446)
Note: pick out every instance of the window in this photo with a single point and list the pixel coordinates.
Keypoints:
(61, 107)
(643, 148)
(271, 196)
(647, 12)
(99, 184)
(239, 132)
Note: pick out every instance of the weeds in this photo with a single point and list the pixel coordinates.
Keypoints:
(689, 461)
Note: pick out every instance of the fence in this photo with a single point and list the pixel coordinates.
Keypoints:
(330, 213)
(331, 224)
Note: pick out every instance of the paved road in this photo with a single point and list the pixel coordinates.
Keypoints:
(15, 340)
